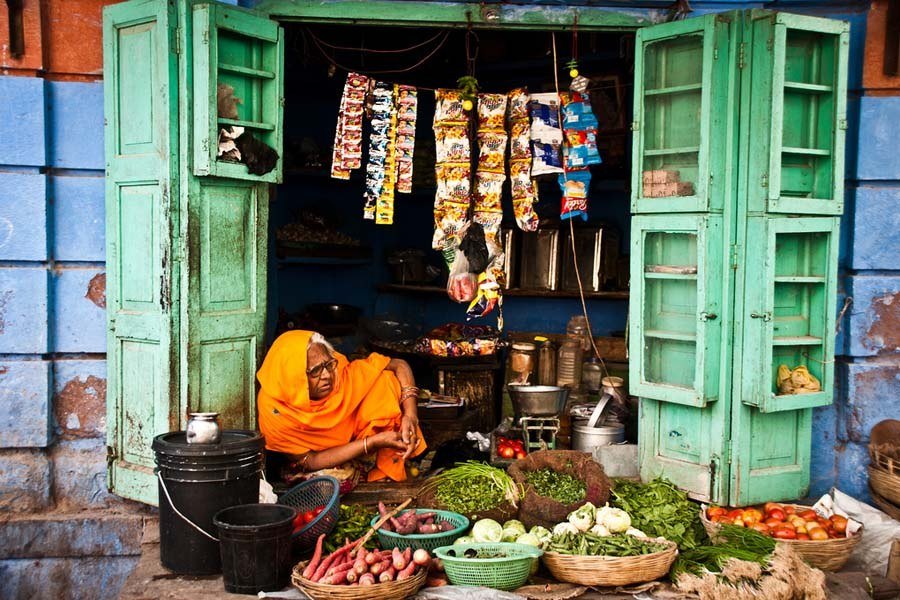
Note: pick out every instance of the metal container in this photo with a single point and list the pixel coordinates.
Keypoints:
(585, 439)
(540, 260)
(508, 244)
(203, 428)
(591, 374)
(537, 400)
(597, 249)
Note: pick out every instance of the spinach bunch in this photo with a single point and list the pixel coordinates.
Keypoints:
(561, 487)
(658, 509)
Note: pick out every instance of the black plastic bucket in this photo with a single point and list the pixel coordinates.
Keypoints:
(201, 480)
(255, 542)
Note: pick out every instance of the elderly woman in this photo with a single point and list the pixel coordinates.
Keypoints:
(323, 411)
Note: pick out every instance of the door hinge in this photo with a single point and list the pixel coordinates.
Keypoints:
(741, 52)
(715, 54)
(635, 126)
(177, 44)
(734, 256)
(764, 180)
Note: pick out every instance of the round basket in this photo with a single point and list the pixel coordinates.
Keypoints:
(883, 461)
(888, 508)
(392, 590)
(885, 484)
(607, 571)
(828, 555)
(506, 572)
(318, 491)
(428, 541)
(500, 513)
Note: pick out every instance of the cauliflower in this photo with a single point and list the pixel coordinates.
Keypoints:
(583, 518)
(600, 530)
(564, 528)
(614, 519)
(635, 532)
(541, 533)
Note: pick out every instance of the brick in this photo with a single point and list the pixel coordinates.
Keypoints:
(24, 481)
(66, 535)
(22, 121)
(23, 310)
(79, 310)
(876, 228)
(79, 475)
(872, 390)
(78, 218)
(873, 65)
(75, 125)
(79, 398)
(878, 156)
(23, 216)
(32, 60)
(70, 578)
(874, 324)
(853, 477)
(75, 36)
(24, 404)
(823, 471)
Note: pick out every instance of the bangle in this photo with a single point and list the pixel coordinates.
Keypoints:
(366, 445)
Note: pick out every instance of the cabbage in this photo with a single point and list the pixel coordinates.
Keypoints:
(465, 539)
(564, 528)
(541, 533)
(510, 534)
(600, 530)
(635, 532)
(515, 524)
(487, 530)
(529, 540)
(583, 518)
(614, 519)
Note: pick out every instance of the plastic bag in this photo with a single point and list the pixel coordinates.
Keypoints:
(456, 592)
(872, 553)
(462, 284)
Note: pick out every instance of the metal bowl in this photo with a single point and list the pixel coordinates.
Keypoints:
(537, 400)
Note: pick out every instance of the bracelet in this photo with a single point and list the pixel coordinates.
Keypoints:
(366, 445)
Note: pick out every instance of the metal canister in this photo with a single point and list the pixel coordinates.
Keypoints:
(591, 374)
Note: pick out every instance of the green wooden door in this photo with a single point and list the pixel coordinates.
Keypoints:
(140, 106)
(226, 300)
(683, 93)
(237, 48)
(799, 78)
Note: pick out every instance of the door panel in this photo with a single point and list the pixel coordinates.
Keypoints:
(141, 148)
(236, 48)
(800, 84)
(227, 229)
(682, 95)
(676, 300)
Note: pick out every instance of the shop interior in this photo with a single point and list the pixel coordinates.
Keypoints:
(370, 287)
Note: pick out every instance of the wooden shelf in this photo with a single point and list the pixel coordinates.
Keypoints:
(238, 69)
(395, 288)
(806, 151)
(670, 335)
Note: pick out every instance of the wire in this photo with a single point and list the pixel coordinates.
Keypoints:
(334, 62)
(374, 50)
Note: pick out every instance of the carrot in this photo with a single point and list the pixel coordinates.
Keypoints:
(387, 575)
(366, 579)
(316, 557)
(407, 554)
(380, 567)
(421, 557)
(346, 566)
(340, 578)
(397, 559)
(435, 581)
(372, 558)
(407, 571)
(360, 566)
(329, 560)
(352, 576)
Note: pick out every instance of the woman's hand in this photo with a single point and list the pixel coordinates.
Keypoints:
(386, 439)
(409, 425)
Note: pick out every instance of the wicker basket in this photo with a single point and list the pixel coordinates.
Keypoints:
(885, 484)
(828, 555)
(608, 571)
(888, 508)
(392, 590)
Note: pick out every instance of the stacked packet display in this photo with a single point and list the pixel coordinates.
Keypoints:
(453, 169)
(546, 135)
(579, 152)
(523, 187)
(407, 106)
(381, 170)
(347, 153)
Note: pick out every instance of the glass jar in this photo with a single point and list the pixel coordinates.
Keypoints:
(522, 363)
(592, 374)
(546, 363)
(568, 366)
(577, 329)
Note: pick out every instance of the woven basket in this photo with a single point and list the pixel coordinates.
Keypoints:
(883, 461)
(888, 508)
(608, 571)
(426, 541)
(885, 484)
(392, 590)
(828, 555)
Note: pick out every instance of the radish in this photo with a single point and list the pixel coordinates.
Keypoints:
(421, 557)
(366, 579)
(387, 575)
(407, 572)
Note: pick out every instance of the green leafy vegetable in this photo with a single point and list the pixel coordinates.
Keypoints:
(561, 487)
(659, 509)
(588, 544)
(733, 542)
(353, 523)
(473, 486)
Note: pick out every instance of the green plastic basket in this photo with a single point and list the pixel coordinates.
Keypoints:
(506, 573)
(427, 541)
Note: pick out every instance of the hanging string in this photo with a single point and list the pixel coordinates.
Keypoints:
(375, 50)
(426, 58)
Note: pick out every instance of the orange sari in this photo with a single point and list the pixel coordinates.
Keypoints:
(364, 401)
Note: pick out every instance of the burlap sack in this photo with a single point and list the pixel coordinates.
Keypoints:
(547, 512)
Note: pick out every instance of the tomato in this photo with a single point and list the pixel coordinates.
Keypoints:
(760, 527)
(788, 509)
(308, 516)
(770, 522)
(783, 533)
(520, 454)
(809, 515)
(506, 452)
(770, 505)
(735, 514)
(751, 515)
(714, 511)
(839, 522)
(776, 513)
(318, 510)
(803, 536)
(817, 533)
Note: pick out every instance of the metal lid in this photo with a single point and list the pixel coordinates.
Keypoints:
(234, 441)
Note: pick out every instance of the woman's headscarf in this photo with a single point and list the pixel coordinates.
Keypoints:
(363, 401)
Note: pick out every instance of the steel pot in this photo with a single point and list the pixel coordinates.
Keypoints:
(203, 428)
(537, 400)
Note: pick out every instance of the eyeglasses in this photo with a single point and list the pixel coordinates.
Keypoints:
(319, 369)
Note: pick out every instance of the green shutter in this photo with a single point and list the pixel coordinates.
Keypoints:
(233, 46)
(789, 308)
(683, 94)
(799, 112)
(140, 108)
(676, 297)
(226, 303)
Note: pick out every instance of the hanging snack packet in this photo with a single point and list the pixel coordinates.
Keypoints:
(452, 169)
(407, 107)
(546, 136)
(580, 128)
(522, 186)
(574, 185)
(378, 169)
(347, 152)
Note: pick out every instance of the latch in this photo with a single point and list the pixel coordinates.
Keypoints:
(764, 180)
(741, 52)
(764, 316)
(704, 316)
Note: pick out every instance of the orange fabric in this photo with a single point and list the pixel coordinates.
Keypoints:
(363, 401)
